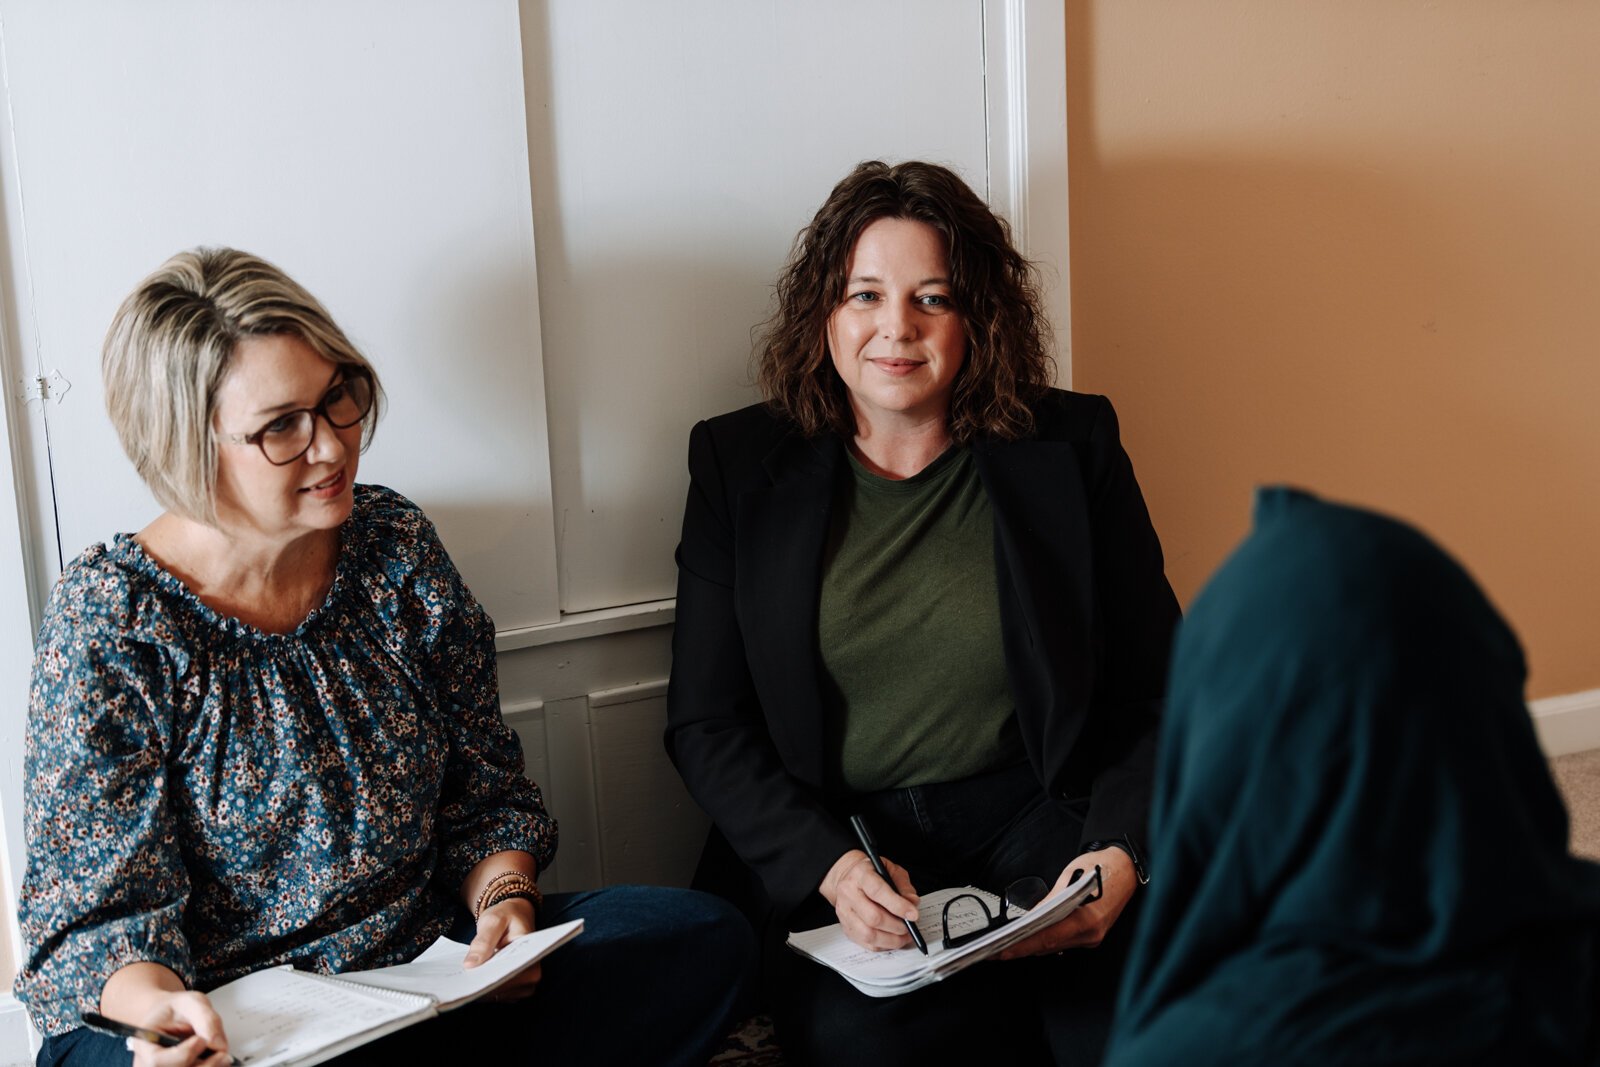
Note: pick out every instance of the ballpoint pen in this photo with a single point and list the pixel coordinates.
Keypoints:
(870, 847)
(117, 1028)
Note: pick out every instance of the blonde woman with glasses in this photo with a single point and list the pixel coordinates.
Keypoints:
(265, 730)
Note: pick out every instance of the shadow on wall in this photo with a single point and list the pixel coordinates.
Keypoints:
(1308, 322)
(495, 529)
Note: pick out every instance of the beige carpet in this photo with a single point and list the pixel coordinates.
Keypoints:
(1578, 775)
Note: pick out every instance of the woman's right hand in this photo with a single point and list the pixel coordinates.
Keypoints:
(153, 996)
(872, 914)
(179, 1013)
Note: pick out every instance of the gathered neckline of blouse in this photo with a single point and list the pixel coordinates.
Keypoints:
(130, 552)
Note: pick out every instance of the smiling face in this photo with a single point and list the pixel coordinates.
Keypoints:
(267, 377)
(897, 340)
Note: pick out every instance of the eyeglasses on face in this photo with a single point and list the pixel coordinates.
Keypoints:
(969, 916)
(287, 437)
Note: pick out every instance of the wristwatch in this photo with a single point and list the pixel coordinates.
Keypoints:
(1125, 843)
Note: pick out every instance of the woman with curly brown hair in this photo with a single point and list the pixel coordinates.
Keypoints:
(920, 585)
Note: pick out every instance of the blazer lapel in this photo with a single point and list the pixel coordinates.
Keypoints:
(782, 529)
(1043, 568)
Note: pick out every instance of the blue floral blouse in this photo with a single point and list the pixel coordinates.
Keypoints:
(217, 799)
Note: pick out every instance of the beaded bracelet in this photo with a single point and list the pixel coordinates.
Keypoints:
(495, 892)
(505, 886)
(508, 877)
(517, 894)
(510, 872)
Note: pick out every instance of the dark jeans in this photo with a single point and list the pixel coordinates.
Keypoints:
(987, 831)
(658, 976)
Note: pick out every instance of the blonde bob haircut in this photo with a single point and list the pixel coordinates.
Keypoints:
(170, 347)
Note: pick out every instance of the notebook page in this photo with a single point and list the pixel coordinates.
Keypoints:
(438, 972)
(831, 946)
(280, 1016)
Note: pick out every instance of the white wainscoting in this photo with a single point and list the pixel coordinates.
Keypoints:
(590, 713)
(651, 830)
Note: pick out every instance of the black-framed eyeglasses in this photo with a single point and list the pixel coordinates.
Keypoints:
(971, 917)
(286, 438)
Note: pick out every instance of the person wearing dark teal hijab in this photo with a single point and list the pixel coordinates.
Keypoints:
(1357, 854)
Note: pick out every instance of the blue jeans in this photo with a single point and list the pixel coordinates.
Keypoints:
(658, 976)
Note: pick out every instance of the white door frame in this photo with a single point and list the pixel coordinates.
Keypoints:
(21, 599)
(1025, 52)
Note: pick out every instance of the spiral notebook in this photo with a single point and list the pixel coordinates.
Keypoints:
(288, 1018)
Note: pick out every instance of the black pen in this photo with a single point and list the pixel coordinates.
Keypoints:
(117, 1028)
(870, 847)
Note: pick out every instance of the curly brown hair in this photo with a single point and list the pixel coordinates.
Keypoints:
(1008, 363)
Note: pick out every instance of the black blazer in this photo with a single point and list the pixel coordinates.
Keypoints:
(1086, 620)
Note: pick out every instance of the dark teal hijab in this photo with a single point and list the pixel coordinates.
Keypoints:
(1357, 855)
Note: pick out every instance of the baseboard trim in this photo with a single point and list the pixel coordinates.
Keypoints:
(18, 1042)
(1569, 723)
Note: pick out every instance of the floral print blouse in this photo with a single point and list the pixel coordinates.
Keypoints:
(217, 799)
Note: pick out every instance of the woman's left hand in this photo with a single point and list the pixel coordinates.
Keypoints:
(496, 928)
(1088, 925)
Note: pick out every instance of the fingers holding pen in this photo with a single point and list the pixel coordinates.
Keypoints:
(898, 896)
(881, 867)
(872, 912)
(177, 1013)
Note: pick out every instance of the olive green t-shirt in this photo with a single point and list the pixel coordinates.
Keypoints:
(909, 629)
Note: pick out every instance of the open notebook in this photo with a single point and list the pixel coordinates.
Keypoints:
(282, 1016)
(890, 973)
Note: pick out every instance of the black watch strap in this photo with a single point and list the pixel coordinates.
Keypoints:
(1125, 843)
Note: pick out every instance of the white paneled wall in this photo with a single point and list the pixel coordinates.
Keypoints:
(650, 828)
(590, 714)
(496, 199)
(676, 148)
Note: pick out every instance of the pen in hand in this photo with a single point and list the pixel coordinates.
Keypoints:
(117, 1028)
(870, 847)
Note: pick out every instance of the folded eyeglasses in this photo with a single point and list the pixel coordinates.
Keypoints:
(969, 913)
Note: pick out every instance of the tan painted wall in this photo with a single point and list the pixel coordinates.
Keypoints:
(1353, 245)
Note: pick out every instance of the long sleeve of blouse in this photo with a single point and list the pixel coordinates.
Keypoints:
(216, 799)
